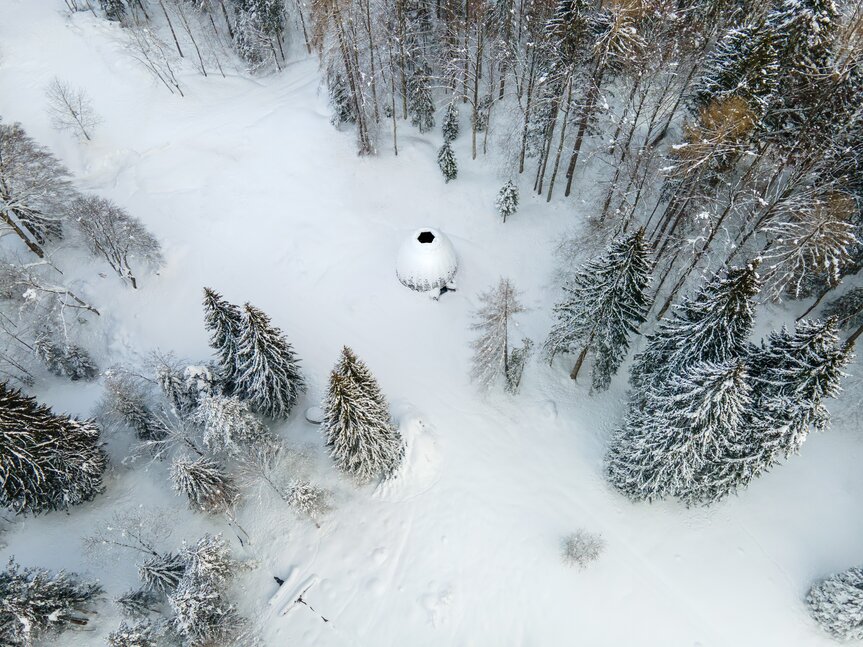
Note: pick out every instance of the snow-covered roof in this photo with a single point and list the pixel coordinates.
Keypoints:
(426, 260)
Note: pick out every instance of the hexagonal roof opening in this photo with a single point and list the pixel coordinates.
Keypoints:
(426, 237)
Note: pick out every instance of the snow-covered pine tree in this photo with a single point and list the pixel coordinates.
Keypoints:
(744, 63)
(114, 9)
(125, 403)
(64, 359)
(207, 486)
(515, 367)
(47, 461)
(713, 325)
(202, 614)
(162, 573)
(420, 101)
(35, 603)
(230, 427)
(139, 603)
(450, 126)
(357, 427)
(491, 354)
(225, 322)
(507, 200)
(678, 443)
(268, 372)
(340, 98)
(139, 634)
(605, 302)
(446, 162)
(836, 604)
(792, 375)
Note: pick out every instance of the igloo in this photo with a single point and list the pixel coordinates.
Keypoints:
(427, 262)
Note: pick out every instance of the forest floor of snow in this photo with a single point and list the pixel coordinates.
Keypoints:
(253, 193)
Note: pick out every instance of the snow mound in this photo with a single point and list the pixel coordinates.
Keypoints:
(421, 466)
(426, 261)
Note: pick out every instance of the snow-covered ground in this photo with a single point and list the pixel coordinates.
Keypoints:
(254, 193)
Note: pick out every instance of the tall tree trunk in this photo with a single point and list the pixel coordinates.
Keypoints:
(586, 116)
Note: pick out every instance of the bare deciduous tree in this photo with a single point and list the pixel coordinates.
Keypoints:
(71, 109)
(112, 233)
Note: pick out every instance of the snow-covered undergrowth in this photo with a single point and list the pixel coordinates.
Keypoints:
(251, 191)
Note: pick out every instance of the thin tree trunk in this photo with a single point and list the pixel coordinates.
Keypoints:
(586, 115)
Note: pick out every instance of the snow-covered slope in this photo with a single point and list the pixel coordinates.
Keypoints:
(255, 194)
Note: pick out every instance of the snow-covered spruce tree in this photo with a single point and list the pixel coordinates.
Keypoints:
(259, 27)
(139, 634)
(224, 321)
(47, 461)
(139, 603)
(446, 162)
(126, 404)
(507, 200)
(420, 101)
(268, 372)
(847, 309)
(64, 359)
(792, 375)
(308, 499)
(836, 604)
(202, 614)
(230, 427)
(184, 388)
(604, 304)
(450, 126)
(207, 486)
(35, 603)
(162, 573)
(678, 443)
(340, 98)
(713, 325)
(114, 9)
(115, 235)
(34, 189)
(364, 443)
(743, 63)
(515, 366)
(491, 354)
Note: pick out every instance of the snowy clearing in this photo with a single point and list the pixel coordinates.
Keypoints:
(252, 192)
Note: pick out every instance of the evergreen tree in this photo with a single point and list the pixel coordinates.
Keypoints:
(340, 98)
(711, 326)
(515, 366)
(268, 372)
(446, 162)
(357, 423)
(35, 603)
(161, 573)
(126, 404)
(793, 374)
(678, 443)
(65, 360)
(47, 461)
(231, 428)
(207, 486)
(744, 63)
(225, 322)
(605, 303)
(837, 604)
(450, 126)
(420, 101)
(140, 634)
(138, 604)
(114, 9)
(507, 200)
(491, 354)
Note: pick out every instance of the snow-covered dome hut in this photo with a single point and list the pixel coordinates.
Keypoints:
(427, 262)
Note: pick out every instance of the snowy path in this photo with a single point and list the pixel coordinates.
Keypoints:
(255, 194)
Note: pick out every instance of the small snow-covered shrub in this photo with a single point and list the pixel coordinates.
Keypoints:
(581, 548)
(309, 500)
(837, 604)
